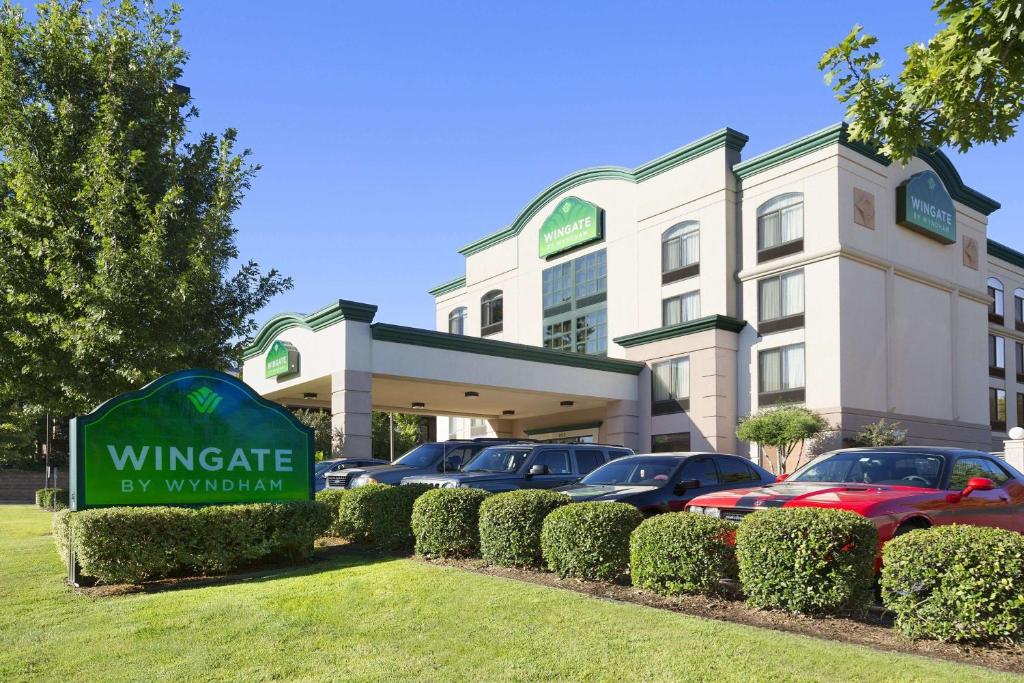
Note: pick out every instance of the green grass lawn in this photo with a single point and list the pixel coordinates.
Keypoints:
(362, 618)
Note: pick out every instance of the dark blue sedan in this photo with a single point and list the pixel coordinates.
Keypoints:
(665, 482)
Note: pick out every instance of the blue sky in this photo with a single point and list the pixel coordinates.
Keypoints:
(391, 134)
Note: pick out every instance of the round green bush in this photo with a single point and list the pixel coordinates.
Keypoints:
(679, 552)
(810, 560)
(52, 499)
(956, 583)
(378, 515)
(510, 526)
(589, 540)
(446, 522)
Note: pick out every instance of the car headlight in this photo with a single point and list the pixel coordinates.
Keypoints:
(451, 485)
(363, 480)
(697, 510)
(713, 512)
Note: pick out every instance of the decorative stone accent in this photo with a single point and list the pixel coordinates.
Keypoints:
(863, 208)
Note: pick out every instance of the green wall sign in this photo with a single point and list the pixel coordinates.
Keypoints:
(195, 437)
(923, 205)
(572, 223)
(282, 359)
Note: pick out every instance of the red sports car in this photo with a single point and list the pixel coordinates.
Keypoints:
(898, 488)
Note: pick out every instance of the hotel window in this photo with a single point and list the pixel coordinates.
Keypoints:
(1020, 363)
(781, 375)
(670, 386)
(781, 302)
(680, 309)
(997, 409)
(780, 226)
(492, 314)
(680, 252)
(996, 356)
(995, 307)
(1018, 309)
(670, 443)
(575, 305)
(457, 321)
(1020, 410)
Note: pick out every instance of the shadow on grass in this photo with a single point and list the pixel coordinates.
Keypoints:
(323, 559)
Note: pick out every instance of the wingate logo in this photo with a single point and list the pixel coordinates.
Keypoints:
(205, 400)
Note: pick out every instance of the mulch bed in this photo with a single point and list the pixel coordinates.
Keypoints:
(873, 630)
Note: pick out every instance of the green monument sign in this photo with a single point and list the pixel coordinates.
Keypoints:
(282, 359)
(923, 205)
(572, 223)
(195, 437)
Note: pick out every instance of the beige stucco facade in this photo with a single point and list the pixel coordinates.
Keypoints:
(883, 320)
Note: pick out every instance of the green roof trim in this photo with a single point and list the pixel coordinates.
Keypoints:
(318, 320)
(450, 286)
(563, 428)
(501, 349)
(711, 322)
(726, 137)
(839, 134)
(834, 134)
(1005, 253)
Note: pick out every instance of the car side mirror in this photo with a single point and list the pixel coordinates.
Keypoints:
(685, 485)
(978, 484)
(537, 469)
(782, 477)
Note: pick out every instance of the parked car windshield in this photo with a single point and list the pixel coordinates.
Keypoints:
(424, 455)
(496, 459)
(632, 472)
(323, 467)
(900, 469)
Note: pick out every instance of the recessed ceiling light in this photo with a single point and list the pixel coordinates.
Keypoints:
(508, 412)
(309, 394)
(567, 404)
(419, 404)
(472, 394)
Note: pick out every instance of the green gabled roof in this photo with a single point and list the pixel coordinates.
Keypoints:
(1005, 253)
(726, 137)
(450, 286)
(318, 320)
(711, 322)
(839, 134)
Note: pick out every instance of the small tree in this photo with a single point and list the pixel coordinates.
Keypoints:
(783, 429)
(323, 436)
(881, 433)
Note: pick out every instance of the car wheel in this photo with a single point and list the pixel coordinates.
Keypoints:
(909, 526)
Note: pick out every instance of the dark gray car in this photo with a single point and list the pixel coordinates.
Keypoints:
(427, 458)
(525, 466)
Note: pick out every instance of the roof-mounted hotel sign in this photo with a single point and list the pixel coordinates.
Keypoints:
(923, 205)
(574, 222)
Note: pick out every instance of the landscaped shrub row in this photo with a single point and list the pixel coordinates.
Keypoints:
(133, 544)
(52, 499)
(377, 515)
(511, 523)
(446, 522)
(682, 553)
(589, 540)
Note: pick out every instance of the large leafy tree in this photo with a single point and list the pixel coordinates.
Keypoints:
(964, 87)
(782, 429)
(117, 246)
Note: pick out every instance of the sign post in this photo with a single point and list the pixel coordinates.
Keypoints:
(195, 437)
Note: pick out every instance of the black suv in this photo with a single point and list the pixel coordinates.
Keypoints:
(526, 466)
(427, 458)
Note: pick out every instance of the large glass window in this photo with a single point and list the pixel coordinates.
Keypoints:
(492, 313)
(1020, 363)
(997, 409)
(670, 386)
(781, 374)
(1020, 410)
(457, 321)
(575, 308)
(780, 226)
(1018, 309)
(995, 307)
(678, 442)
(996, 356)
(680, 251)
(781, 297)
(680, 309)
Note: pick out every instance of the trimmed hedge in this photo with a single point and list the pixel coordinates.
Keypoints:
(378, 515)
(956, 583)
(809, 560)
(446, 522)
(510, 526)
(52, 499)
(680, 552)
(332, 498)
(130, 545)
(589, 540)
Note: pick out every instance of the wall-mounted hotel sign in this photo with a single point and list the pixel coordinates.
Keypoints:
(282, 359)
(195, 437)
(923, 205)
(573, 222)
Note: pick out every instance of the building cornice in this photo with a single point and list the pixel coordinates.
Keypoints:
(448, 287)
(1005, 253)
(318, 320)
(725, 138)
(490, 347)
(839, 134)
(711, 322)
